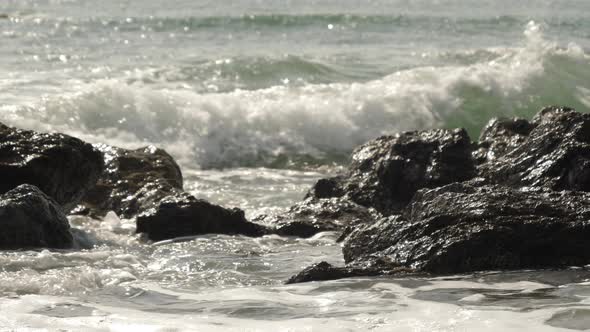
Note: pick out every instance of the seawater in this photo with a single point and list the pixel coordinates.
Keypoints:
(257, 100)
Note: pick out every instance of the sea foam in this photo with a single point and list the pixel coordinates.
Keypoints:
(315, 121)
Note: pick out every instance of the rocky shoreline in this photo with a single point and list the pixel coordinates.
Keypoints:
(421, 202)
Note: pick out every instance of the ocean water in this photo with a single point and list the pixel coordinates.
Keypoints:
(257, 100)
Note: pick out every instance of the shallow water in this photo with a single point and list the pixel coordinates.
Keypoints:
(257, 99)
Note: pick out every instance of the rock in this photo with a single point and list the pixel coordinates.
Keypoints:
(555, 154)
(324, 271)
(133, 181)
(525, 206)
(31, 219)
(61, 166)
(463, 227)
(181, 214)
(312, 216)
(146, 184)
(363, 243)
(386, 172)
(501, 136)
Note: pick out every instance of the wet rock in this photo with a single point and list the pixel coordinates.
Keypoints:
(501, 136)
(181, 214)
(61, 166)
(146, 184)
(462, 228)
(312, 216)
(555, 154)
(133, 181)
(31, 219)
(363, 243)
(324, 271)
(386, 172)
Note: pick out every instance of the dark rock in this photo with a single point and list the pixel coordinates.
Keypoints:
(146, 184)
(386, 172)
(181, 214)
(500, 136)
(526, 209)
(324, 271)
(555, 154)
(133, 181)
(31, 219)
(374, 238)
(61, 166)
(327, 188)
(312, 216)
(461, 228)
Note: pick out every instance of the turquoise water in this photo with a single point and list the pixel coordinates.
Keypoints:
(257, 100)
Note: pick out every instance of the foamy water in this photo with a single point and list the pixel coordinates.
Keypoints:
(319, 122)
(257, 100)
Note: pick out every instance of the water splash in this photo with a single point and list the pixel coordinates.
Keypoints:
(315, 123)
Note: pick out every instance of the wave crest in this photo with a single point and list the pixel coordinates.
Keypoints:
(316, 123)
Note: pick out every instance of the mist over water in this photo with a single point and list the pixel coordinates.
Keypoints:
(257, 100)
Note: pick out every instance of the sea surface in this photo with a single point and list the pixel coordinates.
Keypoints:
(257, 100)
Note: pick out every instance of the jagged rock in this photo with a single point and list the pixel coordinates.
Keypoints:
(31, 219)
(146, 184)
(133, 181)
(463, 227)
(555, 154)
(61, 166)
(528, 207)
(181, 214)
(500, 136)
(312, 216)
(386, 172)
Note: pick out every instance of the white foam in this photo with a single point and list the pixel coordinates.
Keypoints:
(353, 305)
(245, 127)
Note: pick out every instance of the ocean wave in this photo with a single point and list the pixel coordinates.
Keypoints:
(250, 73)
(291, 126)
(285, 21)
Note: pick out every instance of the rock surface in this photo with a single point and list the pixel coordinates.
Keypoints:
(31, 219)
(61, 166)
(324, 271)
(312, 216)
(386, 172)
(183, 215)
(501, 136)
(462, 228)
(133, 181)
(554, 155)
(527, 206)
(146, 184)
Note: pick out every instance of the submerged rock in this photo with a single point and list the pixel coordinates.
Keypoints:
(324, 271)
(312, 216)
(182, 215)
(133, 181)
(555, 154)
(386, 172)
(462, 228)
(31, 219)
(61, 166)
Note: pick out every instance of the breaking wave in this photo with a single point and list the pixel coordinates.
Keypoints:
(316, 123)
